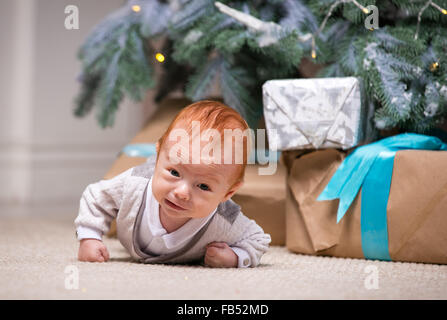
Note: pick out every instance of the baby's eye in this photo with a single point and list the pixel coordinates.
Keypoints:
(174, 173)
(204, 187)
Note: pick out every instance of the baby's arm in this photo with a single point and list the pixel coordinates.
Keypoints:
(252, 242)
(99, 205)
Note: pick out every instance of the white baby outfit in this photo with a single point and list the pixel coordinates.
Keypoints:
(154, 239)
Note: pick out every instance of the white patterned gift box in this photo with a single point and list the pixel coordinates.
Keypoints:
(316, 113)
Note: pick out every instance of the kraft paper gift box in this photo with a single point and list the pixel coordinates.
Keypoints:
(415, 212)
(316, 113)
(263, 199)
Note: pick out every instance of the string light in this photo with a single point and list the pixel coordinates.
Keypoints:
(314, 53)
(434, 66)
(159, 57)
(428, 3)
(442, 10)
(365, 10)
(136, 8)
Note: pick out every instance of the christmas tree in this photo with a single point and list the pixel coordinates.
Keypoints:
(397, 47)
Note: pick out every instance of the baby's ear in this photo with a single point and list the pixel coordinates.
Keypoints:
(233, 190)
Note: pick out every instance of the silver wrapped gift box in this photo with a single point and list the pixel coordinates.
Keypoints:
(316, 113)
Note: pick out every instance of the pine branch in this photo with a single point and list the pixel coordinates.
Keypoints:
(238, 96)
(190, 13)
(154, 18)
(199, 84)
(231, 41)
(109, 93)
(380, 68)
(117, 60)
(85, 100)
(299, 17)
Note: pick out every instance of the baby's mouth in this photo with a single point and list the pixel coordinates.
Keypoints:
(173, 205)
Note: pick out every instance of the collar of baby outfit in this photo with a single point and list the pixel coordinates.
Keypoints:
(177, 237)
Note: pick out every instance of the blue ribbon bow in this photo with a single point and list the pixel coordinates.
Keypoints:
(139, 150)
(370, 167)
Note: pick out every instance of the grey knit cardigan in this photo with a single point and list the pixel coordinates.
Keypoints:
(124, 197)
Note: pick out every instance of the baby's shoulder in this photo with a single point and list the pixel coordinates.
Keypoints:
(145, 170)
(229, 211)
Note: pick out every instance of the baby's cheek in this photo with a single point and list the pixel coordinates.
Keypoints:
(204, 206)
(159, 190)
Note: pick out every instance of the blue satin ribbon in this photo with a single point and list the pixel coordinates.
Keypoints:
(370, 167)
(139, 150)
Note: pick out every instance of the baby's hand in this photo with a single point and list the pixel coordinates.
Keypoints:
(92, 250)
(220, 255)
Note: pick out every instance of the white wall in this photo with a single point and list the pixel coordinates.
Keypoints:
(47, 156)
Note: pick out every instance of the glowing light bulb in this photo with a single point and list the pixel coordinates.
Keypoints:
(160, 57)
(136, 8)
(314, 54)
(434, 66)
(444, 11)
(366, 11)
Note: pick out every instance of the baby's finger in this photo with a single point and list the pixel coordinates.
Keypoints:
(213, 255)
(212, 251)
(99, 256)
(207, 261)
(211, 261)
(105, 253)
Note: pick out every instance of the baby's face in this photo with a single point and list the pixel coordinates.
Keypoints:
(190, 190)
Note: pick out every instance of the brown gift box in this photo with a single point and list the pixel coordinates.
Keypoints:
(416, 211)
(262, 198)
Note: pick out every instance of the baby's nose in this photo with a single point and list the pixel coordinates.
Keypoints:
(182, 192)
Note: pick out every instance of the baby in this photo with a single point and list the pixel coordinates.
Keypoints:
(176, 207)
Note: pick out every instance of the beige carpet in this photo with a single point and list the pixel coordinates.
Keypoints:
(38, 261)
